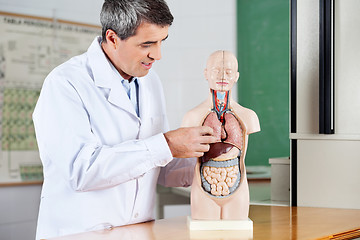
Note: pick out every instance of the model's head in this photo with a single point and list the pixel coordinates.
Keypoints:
(125, 16)
(221, 70)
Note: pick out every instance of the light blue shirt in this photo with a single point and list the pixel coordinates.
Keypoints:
(132, 90)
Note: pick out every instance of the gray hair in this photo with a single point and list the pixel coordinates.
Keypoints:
(124, 16)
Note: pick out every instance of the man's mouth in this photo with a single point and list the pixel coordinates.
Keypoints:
(146, 65)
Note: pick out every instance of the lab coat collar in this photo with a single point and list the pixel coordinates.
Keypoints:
(106, 76)
(100, 65)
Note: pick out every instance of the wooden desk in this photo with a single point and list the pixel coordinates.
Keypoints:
(270, 222)
(20, 183)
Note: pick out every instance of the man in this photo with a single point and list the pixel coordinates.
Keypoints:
(100, 122)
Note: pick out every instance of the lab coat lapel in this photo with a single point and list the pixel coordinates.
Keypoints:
(144, 107)
(118, 97)
(105, 77)
(99, 65)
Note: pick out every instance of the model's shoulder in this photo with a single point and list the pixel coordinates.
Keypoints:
(241, 109)
(195, 116)
(248, 116)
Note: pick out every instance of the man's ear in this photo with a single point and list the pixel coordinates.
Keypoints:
(112, 38)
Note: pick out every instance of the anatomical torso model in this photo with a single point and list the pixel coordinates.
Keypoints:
(220, 189)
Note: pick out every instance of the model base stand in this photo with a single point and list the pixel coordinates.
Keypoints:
(205, 229)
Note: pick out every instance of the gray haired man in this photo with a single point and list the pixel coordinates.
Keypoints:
(102, 129)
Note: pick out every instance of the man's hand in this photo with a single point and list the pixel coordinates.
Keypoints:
(190, 141)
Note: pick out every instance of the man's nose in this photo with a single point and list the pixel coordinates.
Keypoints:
(155, 53)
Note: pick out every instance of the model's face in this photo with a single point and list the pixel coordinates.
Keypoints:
(221, 71)
(134, 56)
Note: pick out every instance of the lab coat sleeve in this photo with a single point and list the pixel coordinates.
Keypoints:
(178, 173)
(67, 144)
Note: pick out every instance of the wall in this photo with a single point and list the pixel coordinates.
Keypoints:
(328, 165)
(263, 50)
(19, 206)
(64, 9)
(347, 73)
(196, 33)
(200, 27)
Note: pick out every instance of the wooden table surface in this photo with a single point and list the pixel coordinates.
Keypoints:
(270, 222)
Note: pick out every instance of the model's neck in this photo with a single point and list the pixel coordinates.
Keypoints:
(220, 102)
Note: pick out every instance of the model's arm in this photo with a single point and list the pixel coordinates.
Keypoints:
(252, 122)
(248, 116)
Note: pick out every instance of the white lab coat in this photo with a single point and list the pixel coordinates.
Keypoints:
(101, 162)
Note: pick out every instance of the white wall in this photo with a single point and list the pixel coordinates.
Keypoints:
(19, 206)
(78, 11)
(328, 173)
(328, 165)
(307, 72)
(347, 73)
(200, 27)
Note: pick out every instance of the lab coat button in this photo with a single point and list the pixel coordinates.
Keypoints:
(136, 215)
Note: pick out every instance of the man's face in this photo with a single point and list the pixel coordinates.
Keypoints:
(134, 56)
(221, 71)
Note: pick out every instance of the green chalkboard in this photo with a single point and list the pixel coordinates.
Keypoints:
(263, 86)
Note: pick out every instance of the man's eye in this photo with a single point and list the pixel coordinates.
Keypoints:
(145, 45)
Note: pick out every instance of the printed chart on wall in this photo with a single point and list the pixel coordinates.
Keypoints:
(30, 47)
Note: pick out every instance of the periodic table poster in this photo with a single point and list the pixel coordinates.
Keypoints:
(30, 47)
